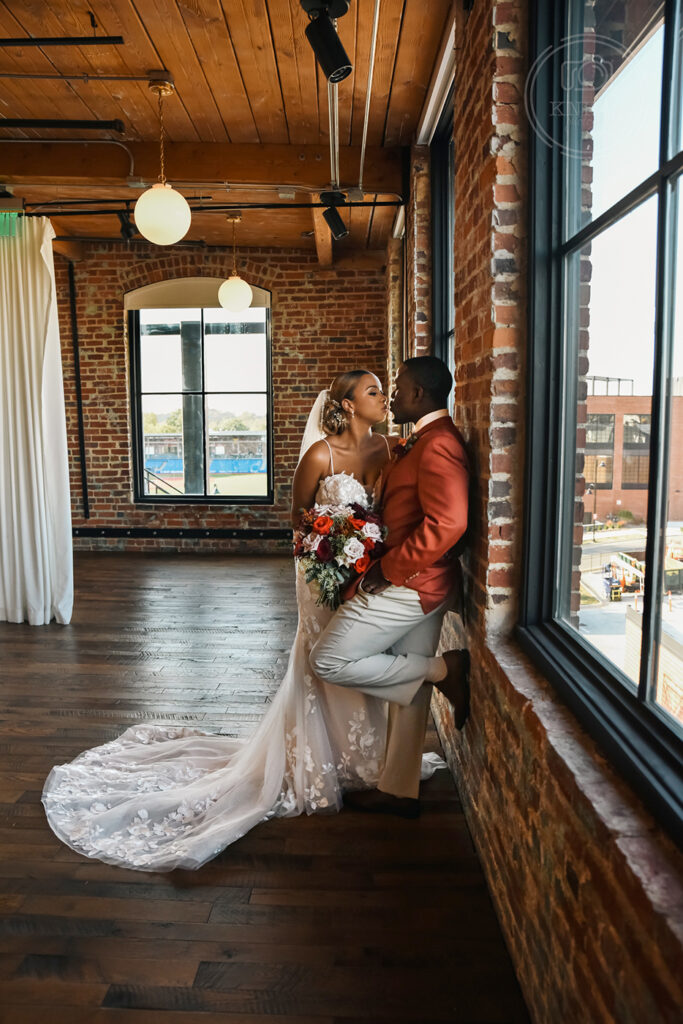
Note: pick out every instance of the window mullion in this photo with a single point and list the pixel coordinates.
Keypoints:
(659, 439)
(669, 100)
(543, 383)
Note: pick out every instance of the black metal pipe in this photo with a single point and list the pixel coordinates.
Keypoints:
(79, 396)
(189, 533)
(76, 78)
(48, 122)
(63, 41)
(216, 209)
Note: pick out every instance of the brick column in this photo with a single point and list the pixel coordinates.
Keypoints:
(395, 339)
(419, 256)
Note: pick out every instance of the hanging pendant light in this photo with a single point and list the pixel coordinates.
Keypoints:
(235, 294)
(161, 214)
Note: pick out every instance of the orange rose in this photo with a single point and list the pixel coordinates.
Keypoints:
(323, 524)
(368, 543)
(357, 524)
(361, 564)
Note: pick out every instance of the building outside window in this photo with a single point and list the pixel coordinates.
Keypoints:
(606, 354)
(201, 401)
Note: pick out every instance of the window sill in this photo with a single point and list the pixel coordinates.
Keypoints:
(630, 735)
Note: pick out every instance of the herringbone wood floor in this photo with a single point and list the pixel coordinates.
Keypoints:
(321, 920)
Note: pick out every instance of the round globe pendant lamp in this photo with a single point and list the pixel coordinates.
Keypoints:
(162, 215)
(235, 294)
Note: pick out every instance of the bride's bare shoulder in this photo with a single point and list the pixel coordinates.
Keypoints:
(317, 456)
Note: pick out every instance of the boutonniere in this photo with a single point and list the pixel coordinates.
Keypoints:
(404, 446)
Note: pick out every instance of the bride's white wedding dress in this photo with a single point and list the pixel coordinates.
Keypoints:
(162, 797)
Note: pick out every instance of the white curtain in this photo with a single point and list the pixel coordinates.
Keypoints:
(36, 563)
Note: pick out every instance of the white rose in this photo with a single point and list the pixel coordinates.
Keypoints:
(372, 531)
(311, 541)
(353, 549)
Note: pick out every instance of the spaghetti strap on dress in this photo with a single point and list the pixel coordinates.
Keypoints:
(329, 448)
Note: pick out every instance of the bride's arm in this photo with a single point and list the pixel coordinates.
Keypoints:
(308, 474)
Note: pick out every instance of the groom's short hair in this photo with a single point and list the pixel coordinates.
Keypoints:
(432, 375)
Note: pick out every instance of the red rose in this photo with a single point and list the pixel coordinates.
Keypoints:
(368, 543)
(361, 564)
(324, 550)
(323, 524)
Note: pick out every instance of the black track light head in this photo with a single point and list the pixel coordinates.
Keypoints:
(325, 42)
(334, 222)
(128, 230)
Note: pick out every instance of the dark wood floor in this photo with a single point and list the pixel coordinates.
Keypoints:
(320, 920)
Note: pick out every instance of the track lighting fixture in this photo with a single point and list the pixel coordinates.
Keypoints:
(335, 223)
(322, 35)
(128, 230)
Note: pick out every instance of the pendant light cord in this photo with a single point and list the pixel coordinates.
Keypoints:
(234, 248)
(162, 175)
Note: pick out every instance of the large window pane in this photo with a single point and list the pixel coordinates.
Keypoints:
(238, 444)
(235, 350)
(162, 427)
(611, 309)
(669, 680)
(611, 86)
(160, 349)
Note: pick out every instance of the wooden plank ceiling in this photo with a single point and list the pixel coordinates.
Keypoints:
(250, 110)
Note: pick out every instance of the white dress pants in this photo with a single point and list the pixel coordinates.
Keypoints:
(381, 644)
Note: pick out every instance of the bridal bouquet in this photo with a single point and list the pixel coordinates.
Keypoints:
(336, 543)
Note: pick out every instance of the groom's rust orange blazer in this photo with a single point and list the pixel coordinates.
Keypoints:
(424, 502)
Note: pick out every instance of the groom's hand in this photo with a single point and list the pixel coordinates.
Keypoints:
(374, 581)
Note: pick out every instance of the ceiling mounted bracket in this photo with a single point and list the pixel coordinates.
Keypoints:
(161, 82)
(333, 8)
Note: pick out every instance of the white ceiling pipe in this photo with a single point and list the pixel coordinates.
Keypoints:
(437, 93)
(368, 95)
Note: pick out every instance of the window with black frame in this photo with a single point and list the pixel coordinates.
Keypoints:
(442, 166)
(600, 611)
(201, 399)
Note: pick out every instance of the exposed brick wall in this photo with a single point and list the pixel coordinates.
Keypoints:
(323, 321)
(489, 287)
(395, 317)
(419, 265)
(587, 886)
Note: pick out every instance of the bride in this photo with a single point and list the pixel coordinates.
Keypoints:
(162, 797)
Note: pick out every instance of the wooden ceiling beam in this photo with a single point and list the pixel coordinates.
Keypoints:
(73, 251)
(323, 238)
(199, 163)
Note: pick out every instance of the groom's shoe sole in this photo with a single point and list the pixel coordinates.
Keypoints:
(374, 801)
(456, 686)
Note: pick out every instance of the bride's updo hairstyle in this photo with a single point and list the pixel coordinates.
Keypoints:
(334, 417)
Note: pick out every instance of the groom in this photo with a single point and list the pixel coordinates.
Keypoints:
(383, 639)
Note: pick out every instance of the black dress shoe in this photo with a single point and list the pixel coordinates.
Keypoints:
(456, 685)
(374, 801)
